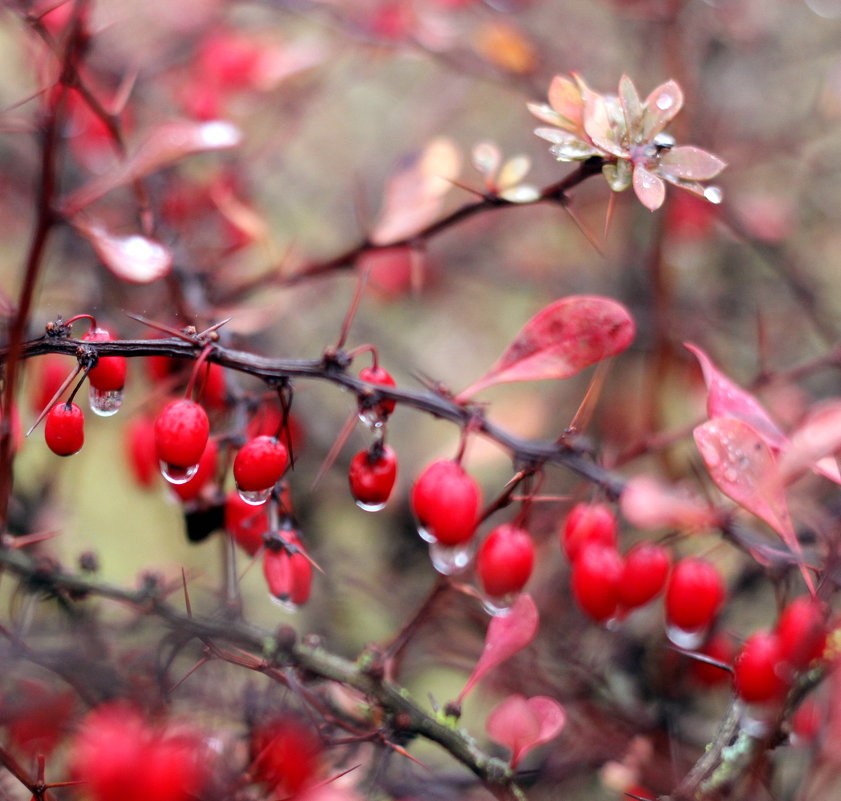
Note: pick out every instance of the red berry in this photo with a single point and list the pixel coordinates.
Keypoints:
(260, 463)
(381, 376)
(371, 476)
(245, 522)
(64, 431)
(289, 576)
(287, 756)
(181, 432)
(644, 574)
(588, 522)
(505, 560)
(758, 672)
(109, 373)
(808, 720)
(120, 757)
(214, 389)
(191, 489)
(446, 502)
(596, 574)
(694, 594)
(802, 632)
(140, 447)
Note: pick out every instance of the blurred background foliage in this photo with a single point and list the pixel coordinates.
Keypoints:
(333, 98)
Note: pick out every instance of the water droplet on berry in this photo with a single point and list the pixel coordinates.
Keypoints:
(426, 535)
(178, 475)
(684, 638)
(756, 720)
(499, 607)
(714, 194)
(255, 497)
(285, 603)
(371, 507)
(450, 559)
(372, 419)
(105, 402)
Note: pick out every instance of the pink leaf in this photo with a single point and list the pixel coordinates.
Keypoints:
(415, 193)
(691, 163)
(813, 444)
(521, 723)
(649, 188)
(599, 125)
(565, 99)
(561, 340)
(649, 504)
(726, 399)
(506, 636)
(165, 145)
(744, 468)
(661, 107)
(133, 258)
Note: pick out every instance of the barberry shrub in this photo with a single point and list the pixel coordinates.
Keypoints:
(256, 256)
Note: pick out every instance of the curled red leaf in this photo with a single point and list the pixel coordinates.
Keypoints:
(521, 723)
(561, 340)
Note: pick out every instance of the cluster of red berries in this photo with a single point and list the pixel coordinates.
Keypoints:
(64, 429)
(607, 584)
(770, 660)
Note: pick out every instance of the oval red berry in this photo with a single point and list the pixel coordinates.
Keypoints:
(64, 430)
(585, 523)
(446, 502)
(181, 432)
(372, 475)
(505, 560)
(260, 463)
(694, 594)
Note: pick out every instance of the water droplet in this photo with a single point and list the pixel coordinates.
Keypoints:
(665, 101)
(450, 559)
(425, 534)
(284, 602)
(178, 475)
(499, 607)
(683, 638)
(105, 402)
(255, 497)
(714, 194)
(756, 719)
(218, 133)
(730, 474)
(371, 507)
(372, 419)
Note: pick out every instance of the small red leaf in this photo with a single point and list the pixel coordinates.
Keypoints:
(165, 145)
(415, 192)
(561, 340)
(521, 723)
(691, 163)
(661, 107)
(726, 399)
(649, 188)
(506, 636)
(649, 504)
(133, 258)
(744, 468)
(813, 444)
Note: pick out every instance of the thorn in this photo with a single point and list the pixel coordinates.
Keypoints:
(608, 217)
(584, 413)
(187, 603)
(583, 228)
(214, 327)
(161, 327)
(58, 393)
(331, 457)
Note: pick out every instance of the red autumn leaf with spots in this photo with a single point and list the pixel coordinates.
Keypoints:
(561, 340)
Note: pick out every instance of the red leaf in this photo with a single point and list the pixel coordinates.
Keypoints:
(561, 340)
(691, 163)
(661, 107)
(649, 188)
(521, 723)
(415, 193)
(165, 145)
(506, 636)
(744, 468)
(813, 444)
(649, 504)
(726, 399)
(133, 258)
